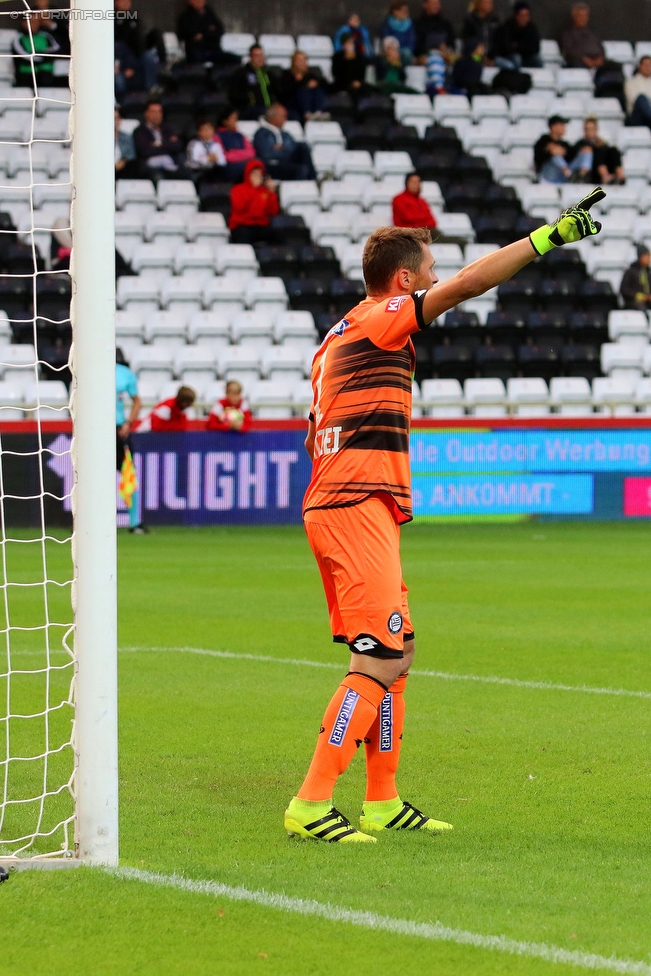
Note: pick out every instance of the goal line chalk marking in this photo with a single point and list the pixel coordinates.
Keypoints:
(433, 931)
(442, 675)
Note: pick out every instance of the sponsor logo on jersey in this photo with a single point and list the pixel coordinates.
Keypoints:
(364, 645)
(339, 328)
(342, 721)
(395, 304)
(394, 623)
(386, 723)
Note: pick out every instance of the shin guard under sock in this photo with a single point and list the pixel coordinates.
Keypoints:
(383, 742)
(351, 712)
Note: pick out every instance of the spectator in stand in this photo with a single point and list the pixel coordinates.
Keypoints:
(126, 386)
(301, 90)
(126, 167)
(409, 208)
(635, 288)
(432, 30)
(284, 158)
(516, 42)
(253, 203)
(399, 24)
(231, 413)
(148, 51)
(638, 94)
(348, 67)
(253, 88)
(201, 30)
(360, 33)
(391, 74)
(158, 148)
(480, 23)
(467, 70)
(172, 415)
(58, 27)
(606, 160)
(553, 156)
(31, 49)
(436, 71)
(581, 47)
(206, 159)
(127, 70)
(237, 148)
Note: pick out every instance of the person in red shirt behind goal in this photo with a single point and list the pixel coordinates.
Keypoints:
(231, 412)
(171, 415)
(360, 494)
(409, 208)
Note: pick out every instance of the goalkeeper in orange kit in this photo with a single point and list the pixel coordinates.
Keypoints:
(360, 494)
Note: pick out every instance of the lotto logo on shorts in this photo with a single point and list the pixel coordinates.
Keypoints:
(364, 645)
(386, 723)
(395, 304)
(395, 623)
(343, 718)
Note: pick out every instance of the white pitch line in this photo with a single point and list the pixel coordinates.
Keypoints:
(442, 675)
(433, 931)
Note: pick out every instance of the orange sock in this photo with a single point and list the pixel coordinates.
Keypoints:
(351, 712)
(383, 742)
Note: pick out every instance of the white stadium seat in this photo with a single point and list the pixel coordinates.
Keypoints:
(211, 329)
(490, 106)
(182, 293)
(283, 362)
(485, 397)
(614, 395)
(571, 395)
(225, 294)
(622, 359)
(528, 396)
(353, 161)
(324, 133)
(452, 106)
(627, 322)
(267, 295)
(206, 227)
(163, 226)
(193, 258)
(252, 327)
(442, 398)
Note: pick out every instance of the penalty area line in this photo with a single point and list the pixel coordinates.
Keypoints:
(432, 931)
(441, 675)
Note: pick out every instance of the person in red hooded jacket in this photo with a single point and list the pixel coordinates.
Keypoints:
(409, 208)
(253, 203)
(171, 415)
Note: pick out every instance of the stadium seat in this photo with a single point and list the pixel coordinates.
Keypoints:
(633, 137)
(324, 157)
(179, 196)
(239, 258)
(153, 256)
(529, 397)
(158, 360)
(447, 255)
(324, 133)
(366, 223)
(295, 328)
(330, 228)
(614, 396)
(237, 43)
(456, 225)
(196, 260)
(522, 135)
(195, 366)
(622, 359)
(284, 362)
(489, 106)
(46, 400)
(642, 395)
(17, 364)
(300, 197)
(550, 52)
(212, 329)
(475, 251)
(619, 197)
(182, 293)
(267, 295)
(542, 79)
(571, 395)
(129, 324)
(627, 322)
(637, 165)
(315, 45)
(252, 328)
(392, 163)
(137, 291)
(56, 100)
(452, 106)
(569, 106)
(271, 399)
(240, 363)
(129, 232)
(353, 161)
(206, 227)
(278, 49)
(574, 79)
(302, 396)
(488, 132)
(442, 398)
(531, 106)
(620, 51)
(485, 397)
(167, 328)
(225, 294)
(342, 198)
(11, 402)
(164, 228)
(139, 195)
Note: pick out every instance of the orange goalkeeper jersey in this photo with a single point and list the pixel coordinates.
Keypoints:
(361, 379)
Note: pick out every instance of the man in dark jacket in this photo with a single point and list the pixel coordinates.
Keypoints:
(253, 88)
(516, 42)
(149, 50)
(581, 46)
(158, 148)
(635, 288)
(432, 29)
(284, 158)
(201, 30)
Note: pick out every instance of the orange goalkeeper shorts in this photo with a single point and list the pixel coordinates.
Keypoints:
(358, 553)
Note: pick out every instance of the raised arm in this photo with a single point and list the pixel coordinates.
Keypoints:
(493, 269)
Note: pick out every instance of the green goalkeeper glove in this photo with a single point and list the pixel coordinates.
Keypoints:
(573, 225)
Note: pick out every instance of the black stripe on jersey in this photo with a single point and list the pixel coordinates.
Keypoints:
(378, 440)
(370, 379)
(364, 354)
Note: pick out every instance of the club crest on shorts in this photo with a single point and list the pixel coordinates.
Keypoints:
(386, 723)
(343, 718)
(394, 624)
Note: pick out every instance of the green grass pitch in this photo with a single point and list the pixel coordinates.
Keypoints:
(548, 789)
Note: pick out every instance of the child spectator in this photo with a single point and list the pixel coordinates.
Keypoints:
(231, 412)
(436, 69)
(172, 415)
(205, 154)
(390, 73)
(360, 34)
(237, 148)
(348, 67)
(301, 90)
(409, 208)
(253, 202)
(399, 24)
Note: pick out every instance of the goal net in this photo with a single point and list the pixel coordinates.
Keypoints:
(53, 780)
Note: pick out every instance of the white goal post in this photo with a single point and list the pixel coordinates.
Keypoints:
(93, 447)
(61, 676)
